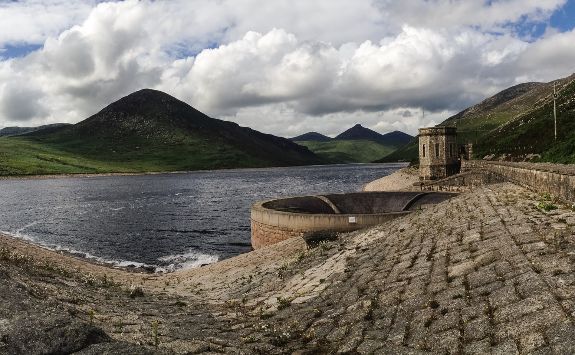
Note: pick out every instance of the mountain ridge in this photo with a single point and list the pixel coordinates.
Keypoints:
(149, 130)
(355, 145)
(16, 130)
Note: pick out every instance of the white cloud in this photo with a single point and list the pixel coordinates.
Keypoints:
(32, 21)
(279, 72)
(487, 15)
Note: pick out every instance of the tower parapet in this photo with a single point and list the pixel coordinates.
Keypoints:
(438, 153)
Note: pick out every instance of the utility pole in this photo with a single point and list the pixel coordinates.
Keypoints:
(555, 109)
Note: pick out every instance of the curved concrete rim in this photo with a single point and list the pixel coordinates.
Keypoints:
(259, 206)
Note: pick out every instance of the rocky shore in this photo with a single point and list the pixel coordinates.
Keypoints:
(402, 179)
(487, 271)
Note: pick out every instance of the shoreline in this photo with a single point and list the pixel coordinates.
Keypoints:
(91, 175)
(81, 257)
(29, 251)
(144, 173)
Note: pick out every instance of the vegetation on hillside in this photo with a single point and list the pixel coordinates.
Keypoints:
(348, 151)
(407, 153)
(147, 131)
(517, 124)
(29, 156)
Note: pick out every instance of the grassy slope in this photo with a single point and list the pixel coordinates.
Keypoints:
(30, 156)
(531, 131)
(518, 126)
(348, 151)
(407, 153)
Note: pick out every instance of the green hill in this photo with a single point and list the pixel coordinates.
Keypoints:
(516, 123)
(355, 145)
(407, 153)
(147, 131)
(348, 151)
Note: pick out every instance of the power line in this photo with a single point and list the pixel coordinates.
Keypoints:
(555, 109)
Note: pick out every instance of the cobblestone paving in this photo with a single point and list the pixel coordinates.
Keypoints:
(485, 272)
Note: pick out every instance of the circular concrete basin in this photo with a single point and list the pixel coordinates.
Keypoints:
(307, 216)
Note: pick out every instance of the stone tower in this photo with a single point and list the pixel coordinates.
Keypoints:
(438, 153)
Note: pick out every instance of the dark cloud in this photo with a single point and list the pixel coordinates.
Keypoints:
(19, 103)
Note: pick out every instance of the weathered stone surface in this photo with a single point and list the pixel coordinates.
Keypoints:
(44, 333)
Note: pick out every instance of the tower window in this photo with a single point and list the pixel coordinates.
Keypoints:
(423, 151)
(437, 150)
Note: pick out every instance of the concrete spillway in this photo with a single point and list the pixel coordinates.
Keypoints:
(305, 216)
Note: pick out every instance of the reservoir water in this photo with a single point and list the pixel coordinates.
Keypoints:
(168, 221)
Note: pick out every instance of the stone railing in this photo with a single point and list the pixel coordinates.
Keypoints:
(555, 179)
(465, 181)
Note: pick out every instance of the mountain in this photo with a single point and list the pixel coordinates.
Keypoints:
(356, 145)
(522, 124)
(499, 103)
(515, 124)
(358, 132)
(311, 137)
(148, 131)
(14, 131)
(396, 139)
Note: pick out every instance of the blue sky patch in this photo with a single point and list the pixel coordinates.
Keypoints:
(18, 50)
(564, 18)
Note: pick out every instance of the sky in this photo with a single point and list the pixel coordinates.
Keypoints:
(283, 67)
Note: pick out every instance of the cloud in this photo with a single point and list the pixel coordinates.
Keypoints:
(32, 21)
(268, 66)
(490, 16)
(259, 69)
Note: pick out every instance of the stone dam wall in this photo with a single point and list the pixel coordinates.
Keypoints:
(555, 179)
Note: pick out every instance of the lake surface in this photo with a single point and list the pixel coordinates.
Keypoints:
(168, 221)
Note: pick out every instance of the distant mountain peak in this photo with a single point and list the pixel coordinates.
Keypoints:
(311, 137)
(358, 132)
